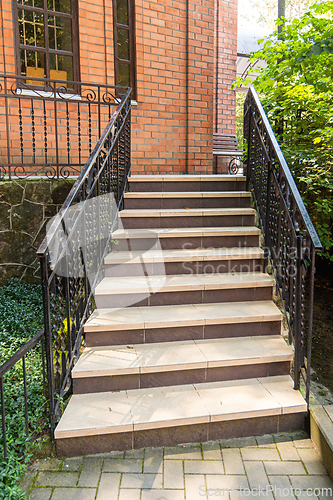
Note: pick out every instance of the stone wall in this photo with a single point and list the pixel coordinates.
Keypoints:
(25, 208)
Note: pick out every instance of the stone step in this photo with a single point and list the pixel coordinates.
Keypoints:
(180, 183)
(192, 217)
(138, 366)
(167, 200)
(163, 416)
(186, 238)
(137, 325)
(129, 291)
(184, 261)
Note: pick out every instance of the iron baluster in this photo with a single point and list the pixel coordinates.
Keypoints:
(79, 131)
(68, 133)
(21, 130)
(45, 133)
(3, 419)
(33, 131)
(89, 126)
(25, 398)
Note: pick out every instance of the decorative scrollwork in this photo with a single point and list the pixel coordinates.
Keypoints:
(89, 95)
(108, 97)
(20, 171)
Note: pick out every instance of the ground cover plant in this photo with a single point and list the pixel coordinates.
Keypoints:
(21, 317)
(296, 89)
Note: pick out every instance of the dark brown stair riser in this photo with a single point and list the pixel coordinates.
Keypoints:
(186, 186)
(169, 203)
(190, 267)
(174, 334)
(186, 242)
(162, 298)
(147, 222)
(170, 378)
(170, 436)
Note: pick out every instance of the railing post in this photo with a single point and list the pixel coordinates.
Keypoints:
(249, 135)
(3, 419)
(48, 339)
(7, 129)
(298, 299)
(309, 350)
(268, 202)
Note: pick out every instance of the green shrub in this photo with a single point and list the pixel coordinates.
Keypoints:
(21, 317)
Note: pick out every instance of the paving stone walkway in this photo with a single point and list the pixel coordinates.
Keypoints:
(276, 467)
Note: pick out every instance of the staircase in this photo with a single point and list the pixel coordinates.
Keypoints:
(185, 344)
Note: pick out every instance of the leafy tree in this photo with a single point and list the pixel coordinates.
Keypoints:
(296, 89)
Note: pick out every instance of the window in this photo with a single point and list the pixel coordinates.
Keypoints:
(47, 39)
(124, 63)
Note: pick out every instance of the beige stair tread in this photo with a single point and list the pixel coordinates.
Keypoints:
(144, 409)
(184, 255)
(184, 212)
(189, 194)
(182, 315)
(180, 177)
(181, 282)
(177, 232)
(185, 355)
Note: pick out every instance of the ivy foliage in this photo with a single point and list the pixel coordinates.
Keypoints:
(21, 317)
(296, 89)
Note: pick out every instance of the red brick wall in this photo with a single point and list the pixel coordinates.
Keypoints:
(172, 124)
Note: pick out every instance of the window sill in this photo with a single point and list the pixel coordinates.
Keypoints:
(47, 94)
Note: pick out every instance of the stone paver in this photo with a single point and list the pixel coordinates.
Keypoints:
(41, 494)
(233, 463)
(108, 487)
(133, 494)
(211, 451)
(284, 466)
(153, 460)
(74, 494)
(122, 465)
(287, 450)
(143, 481)
(90, 473)
(46, 478)
(72, 464)
(173, 474)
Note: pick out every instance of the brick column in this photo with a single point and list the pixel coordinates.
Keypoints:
(225, 64)
(200, 85)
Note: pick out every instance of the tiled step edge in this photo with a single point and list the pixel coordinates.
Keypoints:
(188, 194)
(157, 408)
(183, 255)
(184, 212)
(181, 282)
(177, 178)
(186, 355)
(176, 232)
(182, 315)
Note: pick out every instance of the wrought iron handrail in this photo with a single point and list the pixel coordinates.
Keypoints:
(19, 355)
(51, 125)
(291, 240)
(72, 253)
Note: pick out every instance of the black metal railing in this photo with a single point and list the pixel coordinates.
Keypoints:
(6, 414)
(72, 253)
(291, 240)
(51, 126)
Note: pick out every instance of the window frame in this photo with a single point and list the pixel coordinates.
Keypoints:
(131, 33)
(46, 49)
